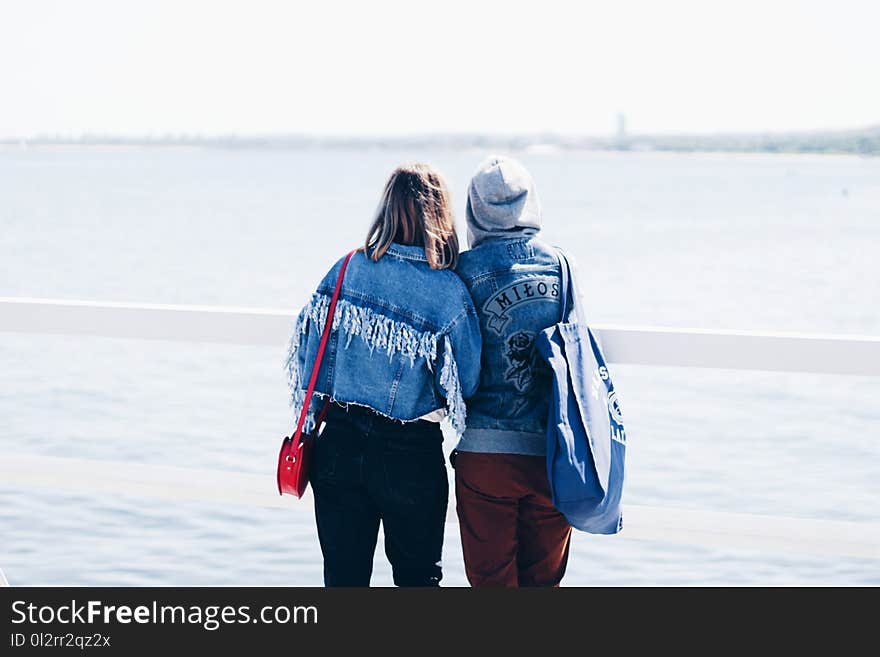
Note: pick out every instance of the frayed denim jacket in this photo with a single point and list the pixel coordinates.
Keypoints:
(515, 286)
(405, 339)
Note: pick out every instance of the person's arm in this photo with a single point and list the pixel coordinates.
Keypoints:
(458, 374)
(302, 346)
(297, 347)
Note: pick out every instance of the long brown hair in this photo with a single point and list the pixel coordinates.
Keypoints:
(415, 210)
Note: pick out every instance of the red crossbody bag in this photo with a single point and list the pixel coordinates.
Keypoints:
(296, 450)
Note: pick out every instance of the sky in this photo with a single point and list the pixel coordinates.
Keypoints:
(393, 68)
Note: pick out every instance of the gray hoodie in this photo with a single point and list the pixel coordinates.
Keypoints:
(502, 201)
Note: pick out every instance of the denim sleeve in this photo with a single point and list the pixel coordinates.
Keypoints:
(302, 346)
(296, 367)
(459, 375)
(468, 344)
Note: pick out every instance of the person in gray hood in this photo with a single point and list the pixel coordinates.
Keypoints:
(502, 202)
(511, 533)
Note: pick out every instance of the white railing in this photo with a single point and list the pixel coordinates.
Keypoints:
(849, 355)
(743, 350)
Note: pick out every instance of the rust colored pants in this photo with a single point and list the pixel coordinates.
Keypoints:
(511, 533)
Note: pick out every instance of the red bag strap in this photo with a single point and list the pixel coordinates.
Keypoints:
(313, 379)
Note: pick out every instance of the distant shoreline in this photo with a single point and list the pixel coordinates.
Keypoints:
(844, 142)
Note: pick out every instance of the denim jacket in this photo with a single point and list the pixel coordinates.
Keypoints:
(515, 284)
(405, 339)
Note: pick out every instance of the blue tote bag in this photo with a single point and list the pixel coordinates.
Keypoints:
(586, 443)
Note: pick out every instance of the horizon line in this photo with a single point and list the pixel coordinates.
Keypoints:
(464, 134)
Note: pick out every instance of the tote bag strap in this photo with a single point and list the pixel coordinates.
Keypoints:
(570, 294)
(325, 335)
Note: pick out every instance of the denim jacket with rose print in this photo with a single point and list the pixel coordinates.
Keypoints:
(405, 339)
(515, 284)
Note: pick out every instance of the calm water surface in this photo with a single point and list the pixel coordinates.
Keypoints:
(783, 243)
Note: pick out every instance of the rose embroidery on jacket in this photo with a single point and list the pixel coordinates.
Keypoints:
(520, 356)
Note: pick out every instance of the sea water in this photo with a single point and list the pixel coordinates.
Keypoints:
(761, 242)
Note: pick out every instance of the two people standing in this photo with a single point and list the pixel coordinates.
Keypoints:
(420, 333)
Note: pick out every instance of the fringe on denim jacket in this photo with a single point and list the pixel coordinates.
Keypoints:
(405, 339)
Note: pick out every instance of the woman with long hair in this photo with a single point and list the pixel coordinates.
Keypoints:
(403, 352)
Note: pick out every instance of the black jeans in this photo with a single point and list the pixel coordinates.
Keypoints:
(365, 469)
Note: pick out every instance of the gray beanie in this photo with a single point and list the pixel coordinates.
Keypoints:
(502, 201)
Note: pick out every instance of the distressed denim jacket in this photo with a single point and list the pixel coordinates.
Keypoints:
(515, 284)
(405, 339)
